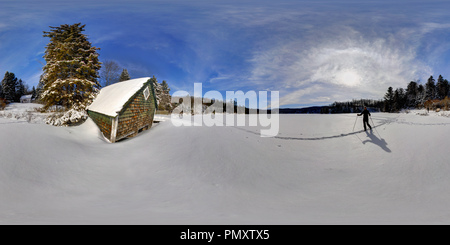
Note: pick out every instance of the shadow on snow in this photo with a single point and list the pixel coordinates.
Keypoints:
(372, 137)
(375, 140)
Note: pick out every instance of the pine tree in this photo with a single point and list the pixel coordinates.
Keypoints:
(20, 90)
(411, 94)
(1, 92)
(421, 95)
(399, 99)
(442, 87)
(9, 84)
(124, 76)
(389, 100)
(71, 72)
(165, 86)
(33, 93)
(158, 90)
(430, 89)
(448, 87)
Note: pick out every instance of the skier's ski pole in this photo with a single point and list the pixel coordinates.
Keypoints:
(355, 123)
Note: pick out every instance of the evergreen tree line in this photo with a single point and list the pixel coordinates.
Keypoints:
(416, 95)
(353, 106)
(12, 88)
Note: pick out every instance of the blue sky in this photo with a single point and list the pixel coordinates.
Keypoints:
(312, 52)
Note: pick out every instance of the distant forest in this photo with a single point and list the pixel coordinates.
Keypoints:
(433, 95)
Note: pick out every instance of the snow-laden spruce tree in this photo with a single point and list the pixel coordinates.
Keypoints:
(163, 97)
(158, 89)
(71, 73)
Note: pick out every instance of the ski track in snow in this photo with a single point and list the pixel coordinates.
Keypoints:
(311, 138)
(384, 121)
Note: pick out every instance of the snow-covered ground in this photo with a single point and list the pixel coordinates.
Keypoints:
(24, 112)
(316, 171)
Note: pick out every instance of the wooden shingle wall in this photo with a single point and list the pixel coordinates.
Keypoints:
(136, 115)
(103, 122)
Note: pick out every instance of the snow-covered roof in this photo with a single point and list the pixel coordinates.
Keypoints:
(112, 98)
(28, 96)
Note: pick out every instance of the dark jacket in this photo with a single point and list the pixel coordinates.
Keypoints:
(366, 114)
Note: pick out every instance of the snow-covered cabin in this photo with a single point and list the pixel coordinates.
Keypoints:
(25, 98)
(124, 109)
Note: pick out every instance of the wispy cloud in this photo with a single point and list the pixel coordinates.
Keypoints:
(341, 59)
(345, 63)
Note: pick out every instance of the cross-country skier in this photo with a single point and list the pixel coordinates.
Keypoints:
(366, 114)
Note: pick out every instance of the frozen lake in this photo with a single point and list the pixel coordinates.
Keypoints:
(317, 170)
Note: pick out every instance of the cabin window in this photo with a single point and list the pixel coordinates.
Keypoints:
(146, 93)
